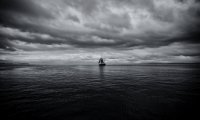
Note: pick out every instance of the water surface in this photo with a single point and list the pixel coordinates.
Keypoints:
(142, 92)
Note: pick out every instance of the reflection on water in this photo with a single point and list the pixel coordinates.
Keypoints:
(101, 72)
(100, 93)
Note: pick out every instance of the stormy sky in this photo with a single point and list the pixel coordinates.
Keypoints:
(81, 31)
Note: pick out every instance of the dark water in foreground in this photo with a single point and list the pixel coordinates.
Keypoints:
(100, 93)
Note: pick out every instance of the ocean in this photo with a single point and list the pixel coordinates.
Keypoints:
(132, 92)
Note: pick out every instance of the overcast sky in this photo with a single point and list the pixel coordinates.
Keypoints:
(81, 31)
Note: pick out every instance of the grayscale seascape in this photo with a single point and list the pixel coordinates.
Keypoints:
(99, 59)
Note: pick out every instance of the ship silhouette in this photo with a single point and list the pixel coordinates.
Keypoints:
(101, 62)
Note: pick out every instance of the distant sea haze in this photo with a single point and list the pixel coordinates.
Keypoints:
(137, 92)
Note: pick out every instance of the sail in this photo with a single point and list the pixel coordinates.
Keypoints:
(101, 60)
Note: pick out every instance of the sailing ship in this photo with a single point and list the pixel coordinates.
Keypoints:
(101, 62)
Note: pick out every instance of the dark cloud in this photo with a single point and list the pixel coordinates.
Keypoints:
(121, 26)
(29, 8)
(4, 44)
(73, 18)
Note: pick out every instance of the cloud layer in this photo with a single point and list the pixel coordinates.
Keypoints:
(129, 31)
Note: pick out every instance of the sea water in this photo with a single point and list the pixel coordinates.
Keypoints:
(137, 92)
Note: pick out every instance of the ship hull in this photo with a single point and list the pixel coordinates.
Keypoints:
(103, 64)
